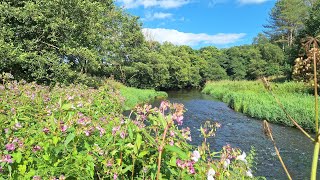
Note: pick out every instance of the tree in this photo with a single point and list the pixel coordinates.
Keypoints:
(286, 19)
(68, 37)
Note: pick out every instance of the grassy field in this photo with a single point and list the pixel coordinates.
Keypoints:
(251, 98)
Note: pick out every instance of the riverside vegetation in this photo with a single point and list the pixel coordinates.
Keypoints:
(80, 132)
(251, 98)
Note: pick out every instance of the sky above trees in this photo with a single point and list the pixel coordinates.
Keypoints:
(199, 23)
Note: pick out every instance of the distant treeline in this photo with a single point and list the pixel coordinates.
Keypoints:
(86, 41)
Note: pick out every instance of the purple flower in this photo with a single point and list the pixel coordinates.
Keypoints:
(6, 130)
(36, 148)
(46, 130)
(17, 126)
(36, 178)
(63, 128)
(10, 147)
(180, 163)
(102, 131)
(164, 105)
(87, 132)
(172, 133)
(115, 176)
(109, 164)
(115, 130)
(6, 158)
(179, 120)
(171, 142)
(122, 134)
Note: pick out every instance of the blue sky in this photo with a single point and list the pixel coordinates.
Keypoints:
(198, 23)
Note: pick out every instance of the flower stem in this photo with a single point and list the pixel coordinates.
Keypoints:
(316, 145)
(161, 149)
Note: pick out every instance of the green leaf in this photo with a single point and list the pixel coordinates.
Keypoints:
(150, 138)
(55, 140)
(130, 132)
(17, 157)
(173, 161)
(127, 169)
(143, 153)
(66, 107)
(69, 138)
(22, 169)
(138, 142)
(46, 157)
(176, 149)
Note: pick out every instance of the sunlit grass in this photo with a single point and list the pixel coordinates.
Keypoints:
(251, 98)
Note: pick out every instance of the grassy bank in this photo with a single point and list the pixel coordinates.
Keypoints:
(134, 96)
(251, 98)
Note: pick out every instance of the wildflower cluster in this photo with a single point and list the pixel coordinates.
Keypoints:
(80, 133)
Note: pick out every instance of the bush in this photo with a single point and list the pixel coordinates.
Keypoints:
(79, 133)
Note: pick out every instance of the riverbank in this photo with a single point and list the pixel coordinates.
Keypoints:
(251, 98)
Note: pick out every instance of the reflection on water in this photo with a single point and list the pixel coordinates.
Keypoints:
(243, 132)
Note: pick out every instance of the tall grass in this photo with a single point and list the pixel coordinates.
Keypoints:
(251, 98)
(134, 96)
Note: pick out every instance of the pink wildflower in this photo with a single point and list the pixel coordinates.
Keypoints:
(36, 148)
(6, 158)
(10, 147)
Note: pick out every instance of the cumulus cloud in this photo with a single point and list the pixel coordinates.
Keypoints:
(157, 15)
(166, 4)
(252, 1)
(181, 38)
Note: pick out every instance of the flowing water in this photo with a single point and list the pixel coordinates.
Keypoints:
(244, 132)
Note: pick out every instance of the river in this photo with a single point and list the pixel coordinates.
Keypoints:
(244, 132)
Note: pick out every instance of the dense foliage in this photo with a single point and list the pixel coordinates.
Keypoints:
(77, 132)
(85, 41)
(251, 98)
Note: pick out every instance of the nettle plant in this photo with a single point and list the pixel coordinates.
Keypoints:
(80, 133)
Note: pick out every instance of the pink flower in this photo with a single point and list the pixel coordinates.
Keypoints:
(195, 156)
(109, 164)
(180, 163)
(191, 170)
(115, 176)
(6, 158)
(36, 178)
(122, 134)
(36, 148)
(171, 142)
(179, 120)
(6, 130)
(46, 130)
(17, 126)
(115, 130)
(10, 147)
(172, 133)
(63, 128)
(102, 131)
(87, 132)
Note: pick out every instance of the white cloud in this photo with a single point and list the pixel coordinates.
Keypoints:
(252, 1)
(157, 15)
(166, 4)
(180, 38)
